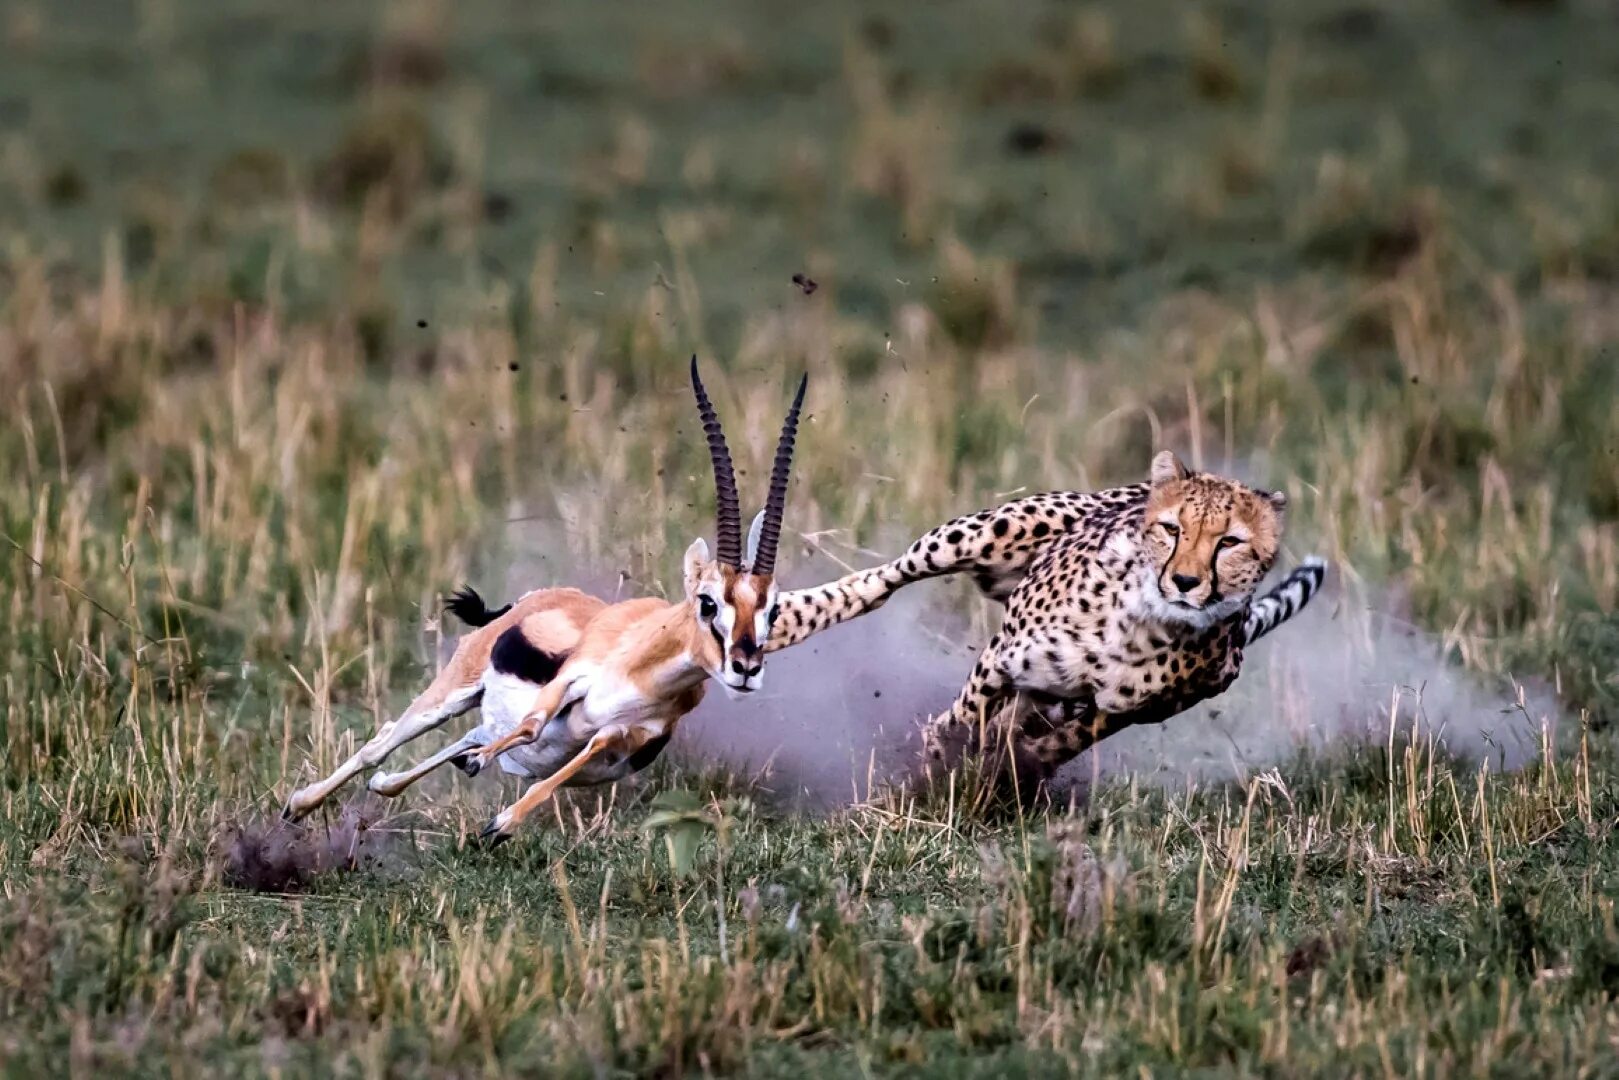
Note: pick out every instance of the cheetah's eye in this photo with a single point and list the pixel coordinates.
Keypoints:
(706, 607)
(1169, 528)
(1228, 542)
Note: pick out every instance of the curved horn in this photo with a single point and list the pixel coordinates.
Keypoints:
(764, 563)
(727, 508)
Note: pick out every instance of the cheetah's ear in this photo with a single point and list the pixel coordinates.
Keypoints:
(1167, 468)
(1278, 501)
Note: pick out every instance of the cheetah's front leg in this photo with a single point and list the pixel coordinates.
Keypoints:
(1076, 727)
(978, 704)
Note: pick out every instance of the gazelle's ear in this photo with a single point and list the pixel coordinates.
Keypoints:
(753, 538)
(696, 559)
(1167, 468)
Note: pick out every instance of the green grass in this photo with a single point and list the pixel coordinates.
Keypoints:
(1407, 915)
(298, 309)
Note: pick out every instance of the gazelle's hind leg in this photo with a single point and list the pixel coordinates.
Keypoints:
(613, 736)
(450, 695)
(394, 784)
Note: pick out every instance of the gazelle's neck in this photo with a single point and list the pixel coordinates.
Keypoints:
(687, 644)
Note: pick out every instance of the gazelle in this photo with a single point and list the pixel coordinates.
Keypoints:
(574, 691)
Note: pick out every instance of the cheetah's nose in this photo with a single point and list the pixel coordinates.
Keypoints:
(1184, 582)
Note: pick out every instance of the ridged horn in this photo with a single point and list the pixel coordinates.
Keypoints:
(727, 507)
(764, 563)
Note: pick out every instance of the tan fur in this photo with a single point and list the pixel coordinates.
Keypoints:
(552, 619)
(647, 659)
(638, 668)
(596, 683)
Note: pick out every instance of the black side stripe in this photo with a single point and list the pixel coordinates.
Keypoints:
(649, 752)
(514, 654)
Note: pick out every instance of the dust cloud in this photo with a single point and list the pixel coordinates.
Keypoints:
(1349, 670)
(272, 856)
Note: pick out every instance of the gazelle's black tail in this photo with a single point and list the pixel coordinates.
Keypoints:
(465, 604)
(1286, 600)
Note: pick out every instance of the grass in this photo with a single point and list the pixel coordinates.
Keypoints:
(298, 313)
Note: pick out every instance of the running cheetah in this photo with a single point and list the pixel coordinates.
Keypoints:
(1125, 606)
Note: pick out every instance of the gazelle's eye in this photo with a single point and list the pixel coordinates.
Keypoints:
(1228, 542)
(706, 607)
(1170, 528)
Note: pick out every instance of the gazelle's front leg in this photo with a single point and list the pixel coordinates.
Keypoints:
(393, 784)
(558, 694)
(450, 695)
(613, 736)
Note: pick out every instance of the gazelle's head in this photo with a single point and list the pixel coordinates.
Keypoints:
(732, 594)
(1209, 540)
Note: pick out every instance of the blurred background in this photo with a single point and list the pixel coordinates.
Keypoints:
(405, 159)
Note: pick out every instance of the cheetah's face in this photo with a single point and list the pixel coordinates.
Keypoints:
(1209, 542)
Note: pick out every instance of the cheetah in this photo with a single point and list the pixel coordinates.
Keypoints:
(1125, 606)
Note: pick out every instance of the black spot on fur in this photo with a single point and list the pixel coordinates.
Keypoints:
(465, 604)
(514, 654)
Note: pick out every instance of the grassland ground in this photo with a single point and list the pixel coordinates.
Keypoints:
(301, 311)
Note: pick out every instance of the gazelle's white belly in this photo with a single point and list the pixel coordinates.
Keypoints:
(507, 700)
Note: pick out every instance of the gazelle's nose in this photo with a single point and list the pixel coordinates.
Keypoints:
(747, 669)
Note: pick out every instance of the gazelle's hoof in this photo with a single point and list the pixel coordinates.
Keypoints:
(379, 784)
(469, 762)
(492, 836)
(290, 812)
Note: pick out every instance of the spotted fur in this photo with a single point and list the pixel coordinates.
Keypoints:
(1123, 606)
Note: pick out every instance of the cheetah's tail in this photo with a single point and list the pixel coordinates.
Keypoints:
(1286, 600)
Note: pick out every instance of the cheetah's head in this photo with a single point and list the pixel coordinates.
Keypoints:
(1209, 541)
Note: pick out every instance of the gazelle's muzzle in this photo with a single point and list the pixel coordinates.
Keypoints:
(744, 667)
